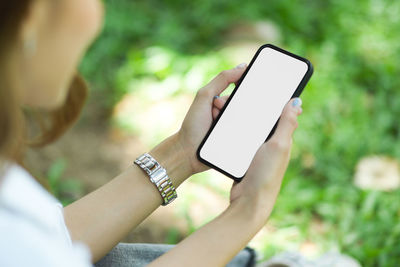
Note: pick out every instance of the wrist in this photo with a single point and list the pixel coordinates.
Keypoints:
(255, 208)
(170, 154)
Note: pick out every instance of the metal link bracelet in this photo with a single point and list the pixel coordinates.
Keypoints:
(158, 176)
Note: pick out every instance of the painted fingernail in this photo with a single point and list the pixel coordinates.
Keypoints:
(241, 66)
(217, 96)
(297, 102)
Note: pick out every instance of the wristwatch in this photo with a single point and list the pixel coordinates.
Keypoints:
(158, 176)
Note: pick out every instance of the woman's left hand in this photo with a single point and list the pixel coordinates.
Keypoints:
(202, 112)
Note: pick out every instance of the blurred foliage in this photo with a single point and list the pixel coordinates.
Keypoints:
(351, 106)
(65, 189)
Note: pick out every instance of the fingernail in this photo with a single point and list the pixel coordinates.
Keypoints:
(217, 96)
(241, 66)
(297, 102)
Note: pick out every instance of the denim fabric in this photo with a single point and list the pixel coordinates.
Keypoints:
(140, 254)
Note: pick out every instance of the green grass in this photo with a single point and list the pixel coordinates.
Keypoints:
(351, 106)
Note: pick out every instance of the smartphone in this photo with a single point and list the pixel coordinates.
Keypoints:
(252, 111)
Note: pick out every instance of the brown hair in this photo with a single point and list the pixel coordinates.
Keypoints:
(13, 120)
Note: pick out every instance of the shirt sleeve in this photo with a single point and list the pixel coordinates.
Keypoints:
(24, 245)
(32, 226)
(62, 229)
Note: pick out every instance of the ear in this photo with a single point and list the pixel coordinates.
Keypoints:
(33, 21)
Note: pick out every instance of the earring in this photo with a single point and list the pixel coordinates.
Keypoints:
(30, 47)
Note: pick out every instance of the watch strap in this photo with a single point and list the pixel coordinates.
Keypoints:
(158, 176)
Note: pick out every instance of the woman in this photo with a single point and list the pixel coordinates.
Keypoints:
(42, 44)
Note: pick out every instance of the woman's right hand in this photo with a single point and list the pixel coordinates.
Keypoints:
(262, 182)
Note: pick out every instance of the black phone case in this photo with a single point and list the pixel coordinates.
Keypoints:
(297, 93)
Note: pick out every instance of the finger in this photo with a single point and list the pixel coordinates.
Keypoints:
(220, 101)
(288, 120)
(215, 112)
(224, 78)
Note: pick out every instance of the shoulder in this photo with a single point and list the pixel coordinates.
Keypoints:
(26, 244)
(17, 244)
(32, 227)
(22, 194)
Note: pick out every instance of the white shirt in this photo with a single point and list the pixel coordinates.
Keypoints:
(32, 227)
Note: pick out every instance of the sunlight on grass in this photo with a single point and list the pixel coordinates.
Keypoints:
(156, 63)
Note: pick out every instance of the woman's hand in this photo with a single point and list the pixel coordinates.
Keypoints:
(202, 112)
(251, 201)
(262, 182)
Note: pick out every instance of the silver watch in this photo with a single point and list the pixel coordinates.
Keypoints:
(158, 176)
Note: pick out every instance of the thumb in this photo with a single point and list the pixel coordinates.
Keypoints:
(288, 120)
(224, 78)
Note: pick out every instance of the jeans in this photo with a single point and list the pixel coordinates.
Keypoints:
(141, 254)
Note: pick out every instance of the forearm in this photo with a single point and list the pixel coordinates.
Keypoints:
(102, 218)
(216, 243)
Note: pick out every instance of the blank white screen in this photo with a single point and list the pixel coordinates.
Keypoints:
(253, 111)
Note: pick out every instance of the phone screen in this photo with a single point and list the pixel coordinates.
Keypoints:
(250, 114)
